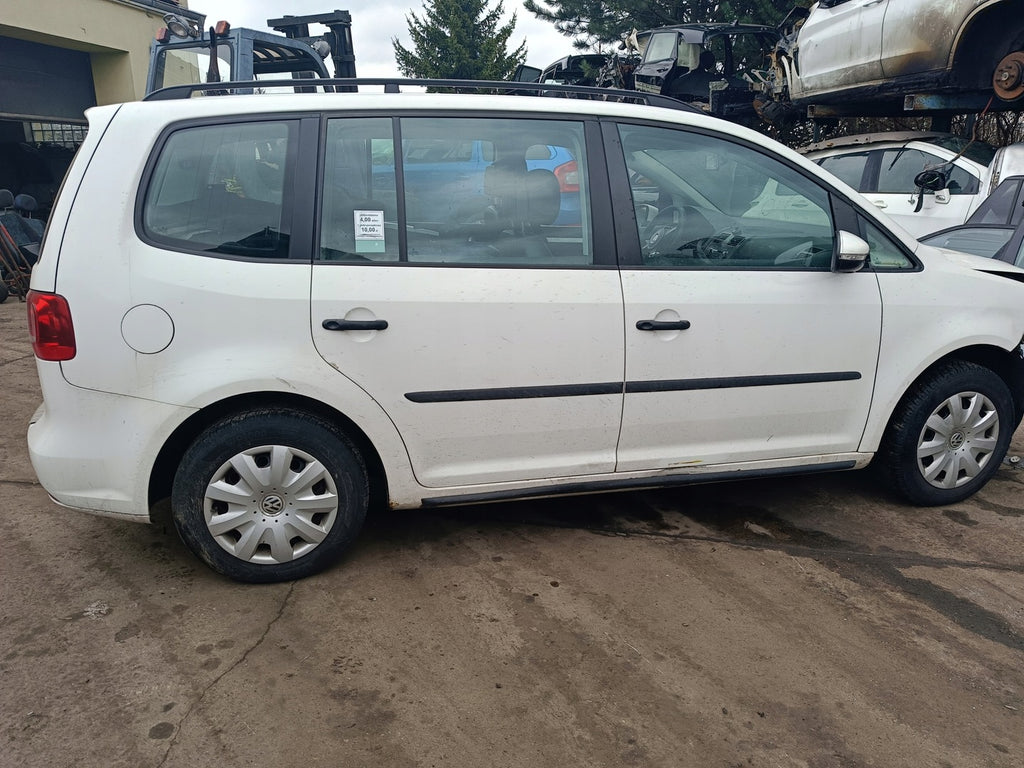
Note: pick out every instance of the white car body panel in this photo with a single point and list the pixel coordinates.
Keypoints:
(528, 328)
(743, 324)
(111, 409)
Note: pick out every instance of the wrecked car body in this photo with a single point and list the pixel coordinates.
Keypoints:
(710, 65)
(879, 52)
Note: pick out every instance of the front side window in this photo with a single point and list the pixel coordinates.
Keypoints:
(223, 189)
(899, 168)
(702, 202)
(473, 191)
(885, 253)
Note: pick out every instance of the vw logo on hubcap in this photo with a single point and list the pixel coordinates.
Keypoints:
(957, 440)
(272, 505)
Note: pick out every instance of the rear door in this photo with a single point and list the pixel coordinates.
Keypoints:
(492, 336)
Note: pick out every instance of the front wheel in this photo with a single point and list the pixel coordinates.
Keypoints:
(948, 435)
(270, 495)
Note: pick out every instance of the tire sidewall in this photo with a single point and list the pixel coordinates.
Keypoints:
(297, 430)
(900, 462)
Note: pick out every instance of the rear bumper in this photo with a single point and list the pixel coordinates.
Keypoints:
(94, 451)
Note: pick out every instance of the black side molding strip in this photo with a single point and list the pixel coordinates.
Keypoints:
(662, 481)
(515, 393)
(732, 382)
(614, 387)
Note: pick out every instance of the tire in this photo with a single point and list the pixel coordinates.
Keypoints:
(4, 293)
(270, 495)
(948, 435)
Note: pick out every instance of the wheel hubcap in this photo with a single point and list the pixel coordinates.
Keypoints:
(958, 440)
(270, 504)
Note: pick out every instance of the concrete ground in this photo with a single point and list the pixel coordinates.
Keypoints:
(801, 622)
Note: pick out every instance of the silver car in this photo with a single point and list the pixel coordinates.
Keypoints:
(879, 49)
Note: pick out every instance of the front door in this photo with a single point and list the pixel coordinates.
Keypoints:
(741, 344)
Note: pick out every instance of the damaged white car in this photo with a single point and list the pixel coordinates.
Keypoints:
(883, 50)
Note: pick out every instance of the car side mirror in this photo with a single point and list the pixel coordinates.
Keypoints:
(931, 181)
(851, 253)
(526, 74)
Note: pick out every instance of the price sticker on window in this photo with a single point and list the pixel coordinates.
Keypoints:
(369, 227)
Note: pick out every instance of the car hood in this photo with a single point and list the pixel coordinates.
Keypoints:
(930, 253)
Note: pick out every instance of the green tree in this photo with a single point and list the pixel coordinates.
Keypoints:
(459, 39)
(595, 22)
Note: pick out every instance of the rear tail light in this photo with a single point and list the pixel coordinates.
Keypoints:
(568, 176)
(50, 326)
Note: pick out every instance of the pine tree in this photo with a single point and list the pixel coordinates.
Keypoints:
(459, 39)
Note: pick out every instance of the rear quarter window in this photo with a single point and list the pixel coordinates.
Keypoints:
(223, 189)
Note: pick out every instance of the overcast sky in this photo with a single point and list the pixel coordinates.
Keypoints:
(375, 23)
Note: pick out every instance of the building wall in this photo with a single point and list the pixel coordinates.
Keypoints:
(116, 35)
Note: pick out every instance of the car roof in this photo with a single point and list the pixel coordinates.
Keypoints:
(880, 137)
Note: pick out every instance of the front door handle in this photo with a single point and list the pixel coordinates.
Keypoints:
(662, 325)
(354, 325)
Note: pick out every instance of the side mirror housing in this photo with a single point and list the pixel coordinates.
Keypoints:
(931, 181)
(851, 253)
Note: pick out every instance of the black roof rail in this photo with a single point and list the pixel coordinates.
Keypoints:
(394, 85)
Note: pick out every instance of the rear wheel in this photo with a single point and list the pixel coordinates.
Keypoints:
(948, 435)
(270, 495)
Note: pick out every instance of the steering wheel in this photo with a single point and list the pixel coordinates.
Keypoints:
(672, 228)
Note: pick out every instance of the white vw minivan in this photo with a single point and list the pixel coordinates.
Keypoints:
(266, 309)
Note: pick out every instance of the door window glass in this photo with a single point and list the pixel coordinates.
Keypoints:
(223, 189)
(496, 192)
(1001, 206)
(849, 168)
(885, 254)
(706, 203)
(900, 166)
(359, 209)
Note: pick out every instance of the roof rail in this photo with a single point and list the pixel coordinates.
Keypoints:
(394, 85)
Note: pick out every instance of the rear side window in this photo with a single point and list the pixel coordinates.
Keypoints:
(468, 191)
(849, 168)
(223, 189)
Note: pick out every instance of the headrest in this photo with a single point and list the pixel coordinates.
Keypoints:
(502, 177)
(6, 198)
(543, 197)
(25, 203)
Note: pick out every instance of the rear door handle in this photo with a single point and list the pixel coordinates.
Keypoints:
(880, 203)
(354, 325)
(662, 325)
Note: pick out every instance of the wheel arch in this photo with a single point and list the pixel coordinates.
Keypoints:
(985, 38)
(1008, 365)
(167, 460)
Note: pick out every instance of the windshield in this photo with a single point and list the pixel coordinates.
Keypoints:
(978, 151)
(190, 65)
